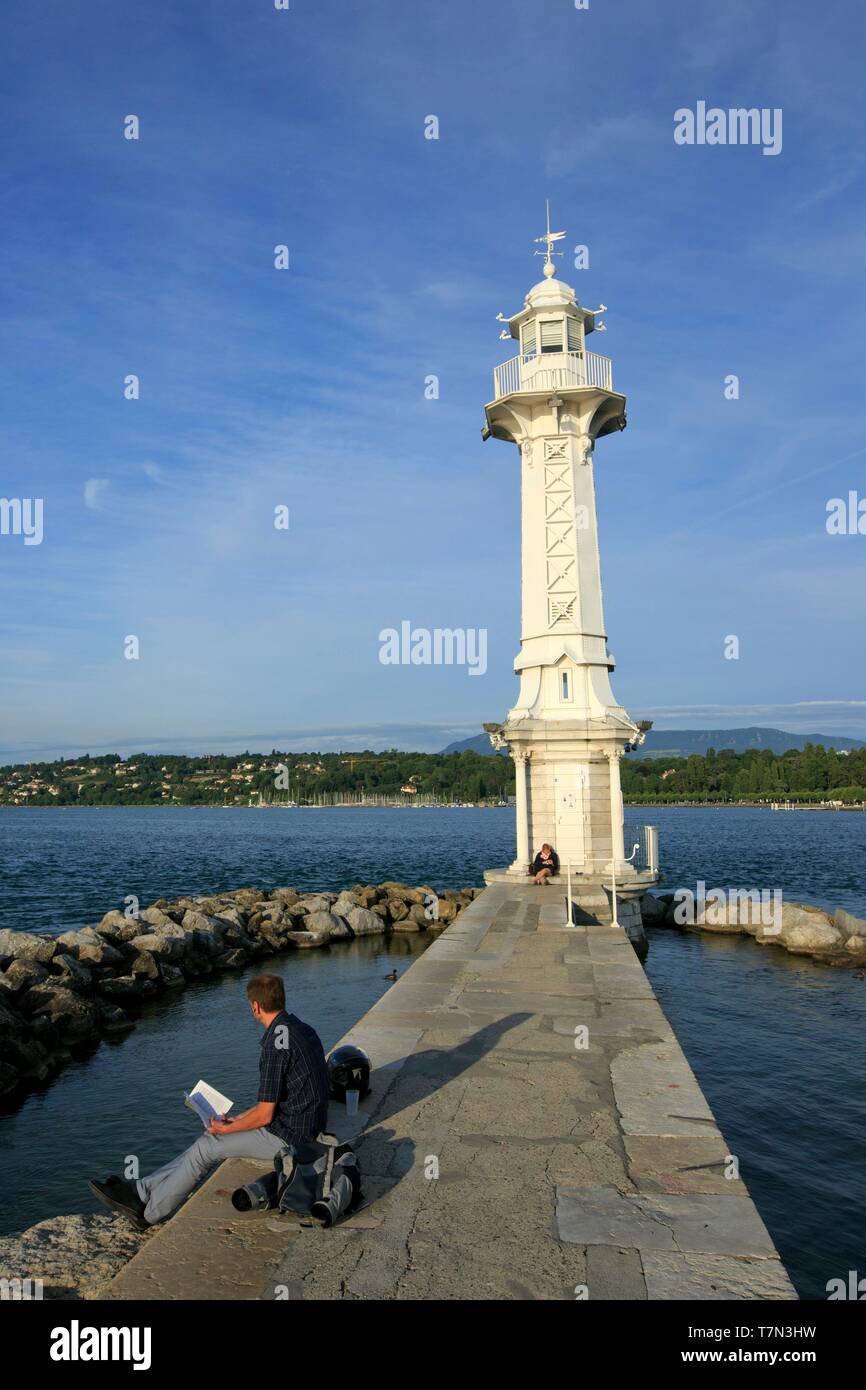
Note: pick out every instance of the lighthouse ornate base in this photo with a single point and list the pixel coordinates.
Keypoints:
(567, 794)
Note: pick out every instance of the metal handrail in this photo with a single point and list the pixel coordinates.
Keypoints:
(646, 837)
(552, 372)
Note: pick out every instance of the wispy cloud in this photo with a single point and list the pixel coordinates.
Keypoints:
(95, 490)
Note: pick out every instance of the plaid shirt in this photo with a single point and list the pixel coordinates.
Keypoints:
(293, 1075)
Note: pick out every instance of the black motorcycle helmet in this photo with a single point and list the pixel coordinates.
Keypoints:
(348, 1070)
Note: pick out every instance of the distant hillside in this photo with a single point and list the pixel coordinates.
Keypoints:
(680, 743)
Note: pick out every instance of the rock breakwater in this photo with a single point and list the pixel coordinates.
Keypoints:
(838, 939)
(60, 995)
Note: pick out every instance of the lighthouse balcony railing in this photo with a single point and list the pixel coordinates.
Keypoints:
(641, 844)
(552, 372)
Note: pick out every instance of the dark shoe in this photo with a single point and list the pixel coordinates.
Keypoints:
(123, 1197)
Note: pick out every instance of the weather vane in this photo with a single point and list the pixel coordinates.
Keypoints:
(549, 237)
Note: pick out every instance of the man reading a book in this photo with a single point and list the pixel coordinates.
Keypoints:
(292, 1105)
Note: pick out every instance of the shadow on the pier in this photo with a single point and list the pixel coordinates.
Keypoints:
(421, 1076)
(428, 1071)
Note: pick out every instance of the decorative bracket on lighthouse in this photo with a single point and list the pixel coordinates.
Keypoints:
(494, 733)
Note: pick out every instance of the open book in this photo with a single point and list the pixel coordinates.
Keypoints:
(207, 1102)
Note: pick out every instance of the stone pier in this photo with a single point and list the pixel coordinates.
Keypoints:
(534, 1132)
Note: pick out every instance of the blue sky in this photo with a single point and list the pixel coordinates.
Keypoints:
(306, 387)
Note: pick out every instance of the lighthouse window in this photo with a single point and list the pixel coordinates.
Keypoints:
(574, 336)
(529, 340)
(565, 685)
(551, 335)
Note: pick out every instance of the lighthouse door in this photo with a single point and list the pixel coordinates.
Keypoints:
(568, 789)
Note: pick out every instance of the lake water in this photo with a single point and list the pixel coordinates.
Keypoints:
(776, 1041)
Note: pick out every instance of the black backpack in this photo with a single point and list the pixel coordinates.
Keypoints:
(315, 1177)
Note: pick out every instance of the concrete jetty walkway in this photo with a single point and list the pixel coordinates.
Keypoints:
(534, 1131)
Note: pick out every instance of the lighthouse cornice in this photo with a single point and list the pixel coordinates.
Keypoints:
(572, 410)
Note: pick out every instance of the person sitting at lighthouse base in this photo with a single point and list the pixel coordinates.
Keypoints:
(292, 1105)
(545, 864)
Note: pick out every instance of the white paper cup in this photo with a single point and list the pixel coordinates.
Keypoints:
(352, 1098)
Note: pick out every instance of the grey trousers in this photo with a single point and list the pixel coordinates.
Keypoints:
(166, 1188)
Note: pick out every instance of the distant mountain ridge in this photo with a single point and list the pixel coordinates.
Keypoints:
(681, 743)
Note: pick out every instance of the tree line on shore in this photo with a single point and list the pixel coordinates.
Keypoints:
(163, 779)
(814, 773)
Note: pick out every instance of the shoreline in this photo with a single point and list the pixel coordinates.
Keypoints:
(430, 806)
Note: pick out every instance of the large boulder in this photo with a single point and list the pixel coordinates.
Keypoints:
(111, 1018)
(88, 946)
(309, 939)
(849, 925)
(807, 938)
(270, 912)
(74, 1018)
(363, 922)
(315, 902)
(397, 910)
(117, 926)
(326, 923)
(247, 898)
(25, 945)
(285, 895)
(804, 929)
(232, 917)
(182, 905)
(653, 911)
(21, 974)
(415, 920)
(207, 933)
(159, 944)
(145, 964)
(210, 905)
(414, 896)
(30, 1059)
(73, 972)
(156, 917)
(344, 904)
(236, 938)
(232, 959)
(448, 910)
(128, 987)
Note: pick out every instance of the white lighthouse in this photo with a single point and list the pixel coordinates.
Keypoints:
(566, 732)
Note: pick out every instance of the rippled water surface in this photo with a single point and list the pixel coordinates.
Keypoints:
(776, 1041)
